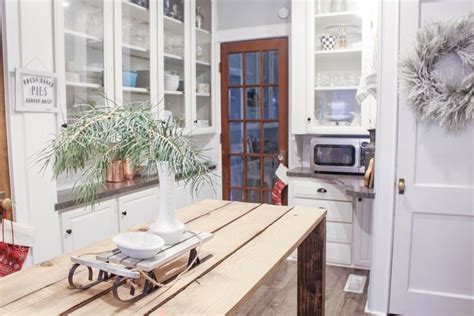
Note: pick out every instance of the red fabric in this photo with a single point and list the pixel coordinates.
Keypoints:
(277, 192)
(12, 256)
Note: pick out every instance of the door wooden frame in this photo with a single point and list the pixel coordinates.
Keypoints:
(4, 169)
(281, 45)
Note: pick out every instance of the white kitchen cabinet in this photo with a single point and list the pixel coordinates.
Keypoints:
(362, 232)
(137, 208)
(207, 192)
(332, 72)
(348, 227)
(182, 196)
(135, 54)
(83, 226)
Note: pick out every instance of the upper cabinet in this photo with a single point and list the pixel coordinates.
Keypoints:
(137, 52)
(337, 37)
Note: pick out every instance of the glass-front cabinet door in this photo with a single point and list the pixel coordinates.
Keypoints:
(202, 68)
(85, 59)
(136, 51)
(176, 61)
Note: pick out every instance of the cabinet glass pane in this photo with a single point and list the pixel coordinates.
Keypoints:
(203, 28)
(174, 70)
(84, 54)
(337, 108)
(135, 52)
(252, 68)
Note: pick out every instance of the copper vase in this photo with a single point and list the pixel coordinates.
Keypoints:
(115, 172)
(129, 171)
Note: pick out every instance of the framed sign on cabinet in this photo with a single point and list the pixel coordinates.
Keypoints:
(36, 91)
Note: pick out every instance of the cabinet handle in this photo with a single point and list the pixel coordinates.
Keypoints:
(322, 190)
(124, 213)
(69, 231)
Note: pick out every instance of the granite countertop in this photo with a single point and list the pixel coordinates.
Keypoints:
(66, 198)
(355, 189)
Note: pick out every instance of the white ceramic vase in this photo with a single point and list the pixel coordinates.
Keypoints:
(167, 226)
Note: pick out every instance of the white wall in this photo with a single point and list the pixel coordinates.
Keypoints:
(248, 13)
(29, 43)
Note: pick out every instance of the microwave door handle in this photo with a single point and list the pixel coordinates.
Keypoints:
(358, 152)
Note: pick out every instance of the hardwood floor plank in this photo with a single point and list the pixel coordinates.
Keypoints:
(225, 287)
(271, 299)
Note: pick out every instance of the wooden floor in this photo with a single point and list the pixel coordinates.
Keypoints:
(277, 296)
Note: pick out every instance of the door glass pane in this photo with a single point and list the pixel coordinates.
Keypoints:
(271, 137)
(253, 138)
(84, 54)
(270, 103)
(270, 166)
(267, 197)
(253, 196)
(253, 103)
(235, 69)
(235, 103)
(236, 137)
(252, 68)
(236, 195)
(236, 171)
(270, 67)
(253, 172)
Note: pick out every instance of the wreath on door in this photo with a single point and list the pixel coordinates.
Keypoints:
(438, 77)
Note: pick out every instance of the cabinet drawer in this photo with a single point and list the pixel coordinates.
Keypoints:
(339, 232)
(336, 210)
(319, 190)
(338, 253)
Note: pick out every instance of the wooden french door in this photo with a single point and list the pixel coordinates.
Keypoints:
(254, 99)
(4, 172)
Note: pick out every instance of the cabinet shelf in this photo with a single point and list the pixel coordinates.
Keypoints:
(136, 90)
(174, 92)
(173, 57)
(83, 36)
(173, 25)
(136, 51)
(200, 94)
(336, 88)
(339, 51)
(86, 85)
(344, 14)
(203, 63)
(135, 11)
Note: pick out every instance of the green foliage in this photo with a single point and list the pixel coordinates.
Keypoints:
(102, 134)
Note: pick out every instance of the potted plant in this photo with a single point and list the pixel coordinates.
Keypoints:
(99, 134)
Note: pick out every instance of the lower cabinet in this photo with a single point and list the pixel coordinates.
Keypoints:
(84, 226)
(137, 208)
(348, 227)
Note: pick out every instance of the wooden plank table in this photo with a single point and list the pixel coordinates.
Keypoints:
(250, 241)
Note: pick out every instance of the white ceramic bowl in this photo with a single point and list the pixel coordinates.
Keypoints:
(171, 82)
(139, 245)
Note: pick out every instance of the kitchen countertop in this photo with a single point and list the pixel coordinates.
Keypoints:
(355, 190)
(67, 198)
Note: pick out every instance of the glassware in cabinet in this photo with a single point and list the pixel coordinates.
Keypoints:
(203, 63)
(135, 42)
(174, 48)
(84, 55)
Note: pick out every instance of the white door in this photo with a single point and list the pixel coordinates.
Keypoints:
(433, 265)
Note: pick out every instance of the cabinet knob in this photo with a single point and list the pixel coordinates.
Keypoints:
(195, 121)
(322, 190)
(124, 213)
(359, 199)
(69, 231)
(64, 125)
(309, 119)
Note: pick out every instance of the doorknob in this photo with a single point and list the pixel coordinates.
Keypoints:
(5, 203)
(401, 186)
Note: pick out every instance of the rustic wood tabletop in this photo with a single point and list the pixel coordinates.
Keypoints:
(250, 241)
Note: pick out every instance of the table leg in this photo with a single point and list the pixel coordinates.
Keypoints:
(312, 271)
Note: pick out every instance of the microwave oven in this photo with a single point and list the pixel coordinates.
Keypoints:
(338, 154)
